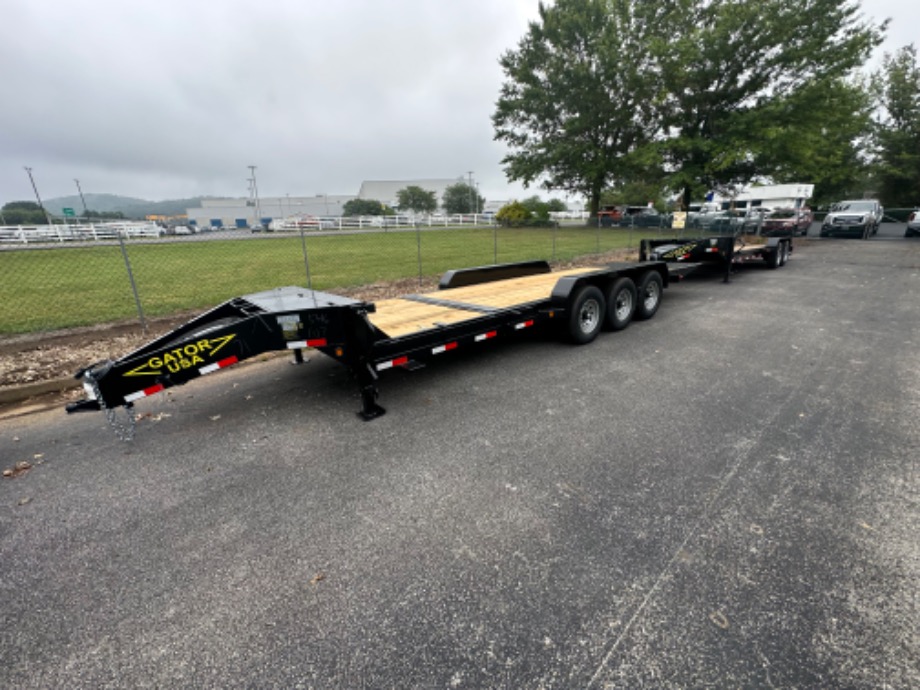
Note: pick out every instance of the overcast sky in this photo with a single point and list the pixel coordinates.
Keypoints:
(172, 98)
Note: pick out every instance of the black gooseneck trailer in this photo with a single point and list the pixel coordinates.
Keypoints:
(723, 250)
(471, 306)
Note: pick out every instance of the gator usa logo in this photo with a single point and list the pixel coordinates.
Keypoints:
(183, 357)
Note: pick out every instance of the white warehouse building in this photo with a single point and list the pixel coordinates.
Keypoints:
(245, 213)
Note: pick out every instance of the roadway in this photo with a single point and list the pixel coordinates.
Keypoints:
(724, 496)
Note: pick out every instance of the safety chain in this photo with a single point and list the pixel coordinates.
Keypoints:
(123, 428)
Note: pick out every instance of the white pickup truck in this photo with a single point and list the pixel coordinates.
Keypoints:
(855, 218)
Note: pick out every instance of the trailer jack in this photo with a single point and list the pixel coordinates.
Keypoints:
(367, 380)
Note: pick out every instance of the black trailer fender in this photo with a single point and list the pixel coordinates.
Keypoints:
(487, 274)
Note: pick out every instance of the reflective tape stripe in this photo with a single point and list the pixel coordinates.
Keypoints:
(218, 365)
(399, 361)
(525, 324)
(144, 393)
(298, 344)
(443, 348)
(485, 336)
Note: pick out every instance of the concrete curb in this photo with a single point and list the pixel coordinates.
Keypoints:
(19, 394)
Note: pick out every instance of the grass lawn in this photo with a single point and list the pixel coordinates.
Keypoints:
(60, 287)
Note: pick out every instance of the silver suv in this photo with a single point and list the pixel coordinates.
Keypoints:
(855, 218)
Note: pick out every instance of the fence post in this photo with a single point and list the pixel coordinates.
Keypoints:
(137, 299)
(418, 239)
(306, 260)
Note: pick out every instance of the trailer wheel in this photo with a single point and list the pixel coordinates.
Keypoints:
(650, 291)
(783, 253)
(586, 316)
(772, 258)
(621, 304)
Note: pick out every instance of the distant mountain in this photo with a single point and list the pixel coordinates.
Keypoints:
(129, 206)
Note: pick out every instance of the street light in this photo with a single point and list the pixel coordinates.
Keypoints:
(81, 195)
(255, 189)
(40, 205)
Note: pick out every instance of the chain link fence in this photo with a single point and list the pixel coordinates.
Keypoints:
(90, 281)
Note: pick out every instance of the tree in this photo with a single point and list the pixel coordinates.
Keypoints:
(676, 92)
(462, 198)
(514, 214)
(576, 101)
(363, 207)
(635, 192)
(537, 208)
(23, 213)
(831, 153)
(897, 130)
(90, 214)
(21, 206)
(416, 199)
(734, 64)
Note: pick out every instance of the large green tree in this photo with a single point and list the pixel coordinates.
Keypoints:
(832, 153)
(462, 198)
(601, 92)
(897, 132)
(414, 198)
(576, 100)
(732, 64)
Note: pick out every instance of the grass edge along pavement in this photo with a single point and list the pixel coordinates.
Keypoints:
(53, 288)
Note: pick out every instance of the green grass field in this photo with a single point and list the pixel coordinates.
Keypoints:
(62, 287)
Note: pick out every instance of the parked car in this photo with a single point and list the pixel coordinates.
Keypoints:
(727, 222)
(853, 218)
(753, 219)
(913, 224)
(643, 217)
(609, 216)
(785, 221)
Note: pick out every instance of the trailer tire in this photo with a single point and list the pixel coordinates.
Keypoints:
(586, 315)
(783, 253)
(621, 304)
(772, 258)
(649, 295)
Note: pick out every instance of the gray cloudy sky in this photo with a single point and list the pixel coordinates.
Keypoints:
(174, 98)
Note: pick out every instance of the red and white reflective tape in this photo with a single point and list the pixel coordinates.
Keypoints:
(443, 348)
(522, 325)
(711, 250)
(299, 344)
(485, 336)
(131, 397)
(398, 362)
(218, 365)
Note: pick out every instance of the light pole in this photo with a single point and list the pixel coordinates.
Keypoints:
(472, 205)
(81, 195)
(255, 190)
(37, 197)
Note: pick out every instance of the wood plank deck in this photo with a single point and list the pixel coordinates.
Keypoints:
(401, 317)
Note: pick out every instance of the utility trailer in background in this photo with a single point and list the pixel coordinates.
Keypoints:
(472, 306)
(725, 251)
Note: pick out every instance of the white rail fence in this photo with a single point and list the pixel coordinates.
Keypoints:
(26, 234)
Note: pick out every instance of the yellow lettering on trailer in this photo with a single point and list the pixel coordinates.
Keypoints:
(183, 357)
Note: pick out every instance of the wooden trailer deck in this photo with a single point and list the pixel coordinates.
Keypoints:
(410, 315)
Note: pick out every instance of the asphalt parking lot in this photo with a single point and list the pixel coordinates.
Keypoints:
(726, 495)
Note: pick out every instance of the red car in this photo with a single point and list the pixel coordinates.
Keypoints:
(785, 221)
